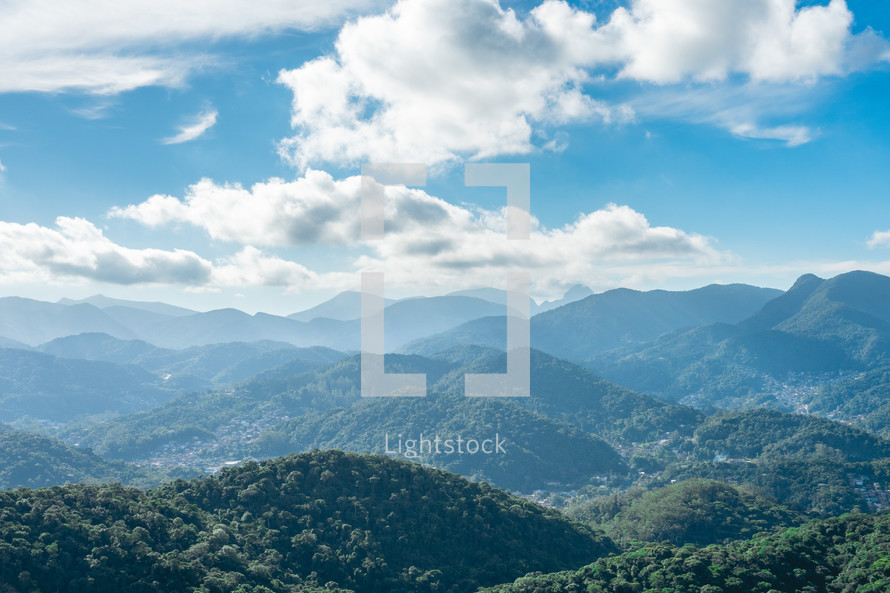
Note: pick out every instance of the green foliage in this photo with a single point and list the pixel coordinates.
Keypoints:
(36, 461)
(325, 521)
(767, 434)
(816, 487)
(43, 386)
(568, 393)
(549, 434)
(818, 326)
(863, 398)
(537, 450)
(801, 461)
(850, 553)
(695, 511)
(293, 389)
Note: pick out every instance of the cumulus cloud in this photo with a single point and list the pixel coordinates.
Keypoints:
(879, 239)
(76, 250)
(472, 250)
(250, 267)
(438, 80)
(428, 243)
(312, 209)
(668, 41)
(199, 124)
(106, 47)
(2, 167)
(459, 79)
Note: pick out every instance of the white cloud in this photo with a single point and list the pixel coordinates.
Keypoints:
(668, 41)
(76, 248)
(76, 251)
(879, 239)
(2, 167)
(100, 73)
(739, 109)
(615, 240)
(790, 135)
(250, 267)
(106, 46)
(312, 209)
(439, 80)
(200, 124)
(429, 243)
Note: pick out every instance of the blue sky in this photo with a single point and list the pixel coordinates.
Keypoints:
(209, 157)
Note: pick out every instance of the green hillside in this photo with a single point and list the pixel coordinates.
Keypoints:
(695, 511)
(325, 521)
(293, 389)
(804, 462)
(58, 389)
(817, 331)
(536, 451)
(35, 461)
(295, 407)
(568, 393)
(849, 553)
(770, 434)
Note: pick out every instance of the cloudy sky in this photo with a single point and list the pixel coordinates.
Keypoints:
(208, 153)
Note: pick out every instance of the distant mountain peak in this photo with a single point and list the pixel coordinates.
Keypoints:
(806, 281)
(101, 301)
(577, 292)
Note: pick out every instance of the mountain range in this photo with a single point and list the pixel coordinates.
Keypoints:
(818, 333)
(732, 346)
(658, 421)
(33, 322)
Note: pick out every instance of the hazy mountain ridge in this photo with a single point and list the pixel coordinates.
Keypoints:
(621, 316)
(293, 409)
(581, 329)
(304, 523)
(43, 386)
(34, 461)
(34, 322)
(818, 334)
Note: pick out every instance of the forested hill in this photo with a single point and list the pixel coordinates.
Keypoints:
(849, 553)
(696, 511)
(34, 461)
(319, 522)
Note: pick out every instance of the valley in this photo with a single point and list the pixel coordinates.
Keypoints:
(742, 414)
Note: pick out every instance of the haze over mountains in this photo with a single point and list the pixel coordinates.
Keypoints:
(612, 319)
(616, 316)
(819, 332)
(163, 386)
(718, 345)
(35, 322)
(623, 430)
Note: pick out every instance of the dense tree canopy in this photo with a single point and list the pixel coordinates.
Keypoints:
(317, 521)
